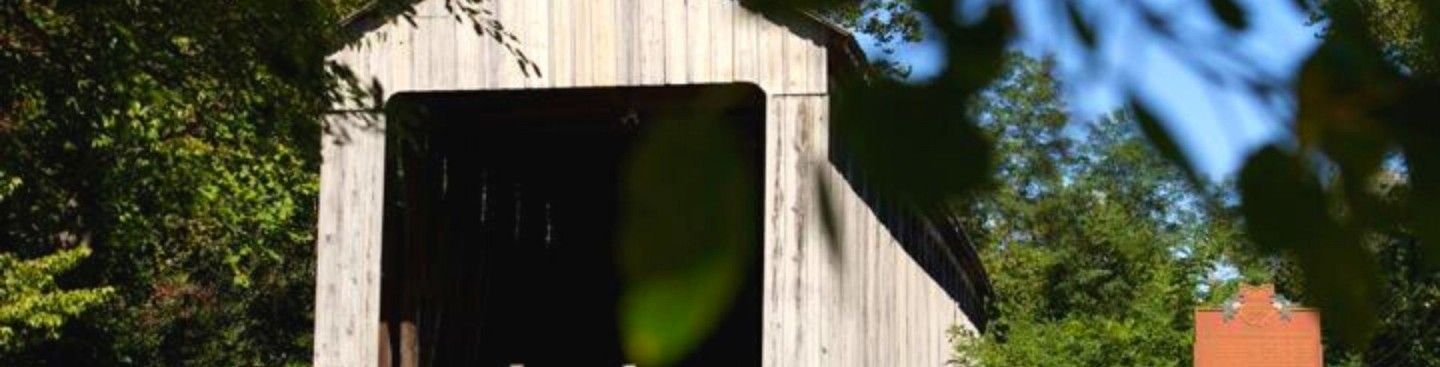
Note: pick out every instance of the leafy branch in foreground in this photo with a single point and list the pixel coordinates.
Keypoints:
(32, 307)
(1363, 100)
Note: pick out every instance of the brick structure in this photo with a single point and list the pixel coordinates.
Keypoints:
(1257, 328)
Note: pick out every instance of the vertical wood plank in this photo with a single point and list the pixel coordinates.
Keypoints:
(651, 33)
(377, 55)
(347, 58)
(347, 286)
(493, 56)
(793, 281)
(422, 41)
(430, 8)
(883, 309)
(562, 43)
(770, 47)
(469, 58)
(697, 30)
(797, 72)
(536, 42)
(676, 43)
(400, 49)
(808, 328)
(511, 14)
(584, 57)
(722, 33)
(819, 76)
(772, 317)
(603, 33)
(745, 60)
(434, 56)
(627, 41)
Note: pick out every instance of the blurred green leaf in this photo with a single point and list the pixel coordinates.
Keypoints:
(1078, 23)
(687, 231)
(913, 144)
(1283, 204)
(983, 46)
(1164, 142)
(1285, 211)
(1230, 13)
(1419, 137)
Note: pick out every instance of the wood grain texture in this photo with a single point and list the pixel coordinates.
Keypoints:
(676, 44)
(860, 302)
(591, 43)
(650, 34)
(605, 53)
(347, 288)
(697, 41)
(400, 47)
(509, 72)
(374, 48)
(562, 43)
(797, 62)
(722, 39)
(435, 53)
(770, 55)
(745, 59)
(470, 60)
(358, 62)
(535, 42)
(627, 44)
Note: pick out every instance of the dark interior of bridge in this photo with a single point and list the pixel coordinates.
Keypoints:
(501, 222)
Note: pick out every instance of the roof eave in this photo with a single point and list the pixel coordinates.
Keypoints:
(845, 51)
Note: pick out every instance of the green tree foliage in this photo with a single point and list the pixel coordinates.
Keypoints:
(1096, 246)
(1408, 332)
(1398, 29)
(1409, 329)
(1306, 198)
(32, 308)
(179, 140)
(890, 23)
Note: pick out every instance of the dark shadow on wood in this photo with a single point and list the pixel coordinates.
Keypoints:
(937, 242)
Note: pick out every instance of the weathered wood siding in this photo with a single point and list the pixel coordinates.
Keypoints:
(347, 286)
(864, 303)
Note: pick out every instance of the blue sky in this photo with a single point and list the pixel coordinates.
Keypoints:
(1219, 121)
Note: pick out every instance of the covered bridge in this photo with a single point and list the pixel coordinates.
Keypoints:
(433, 281)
